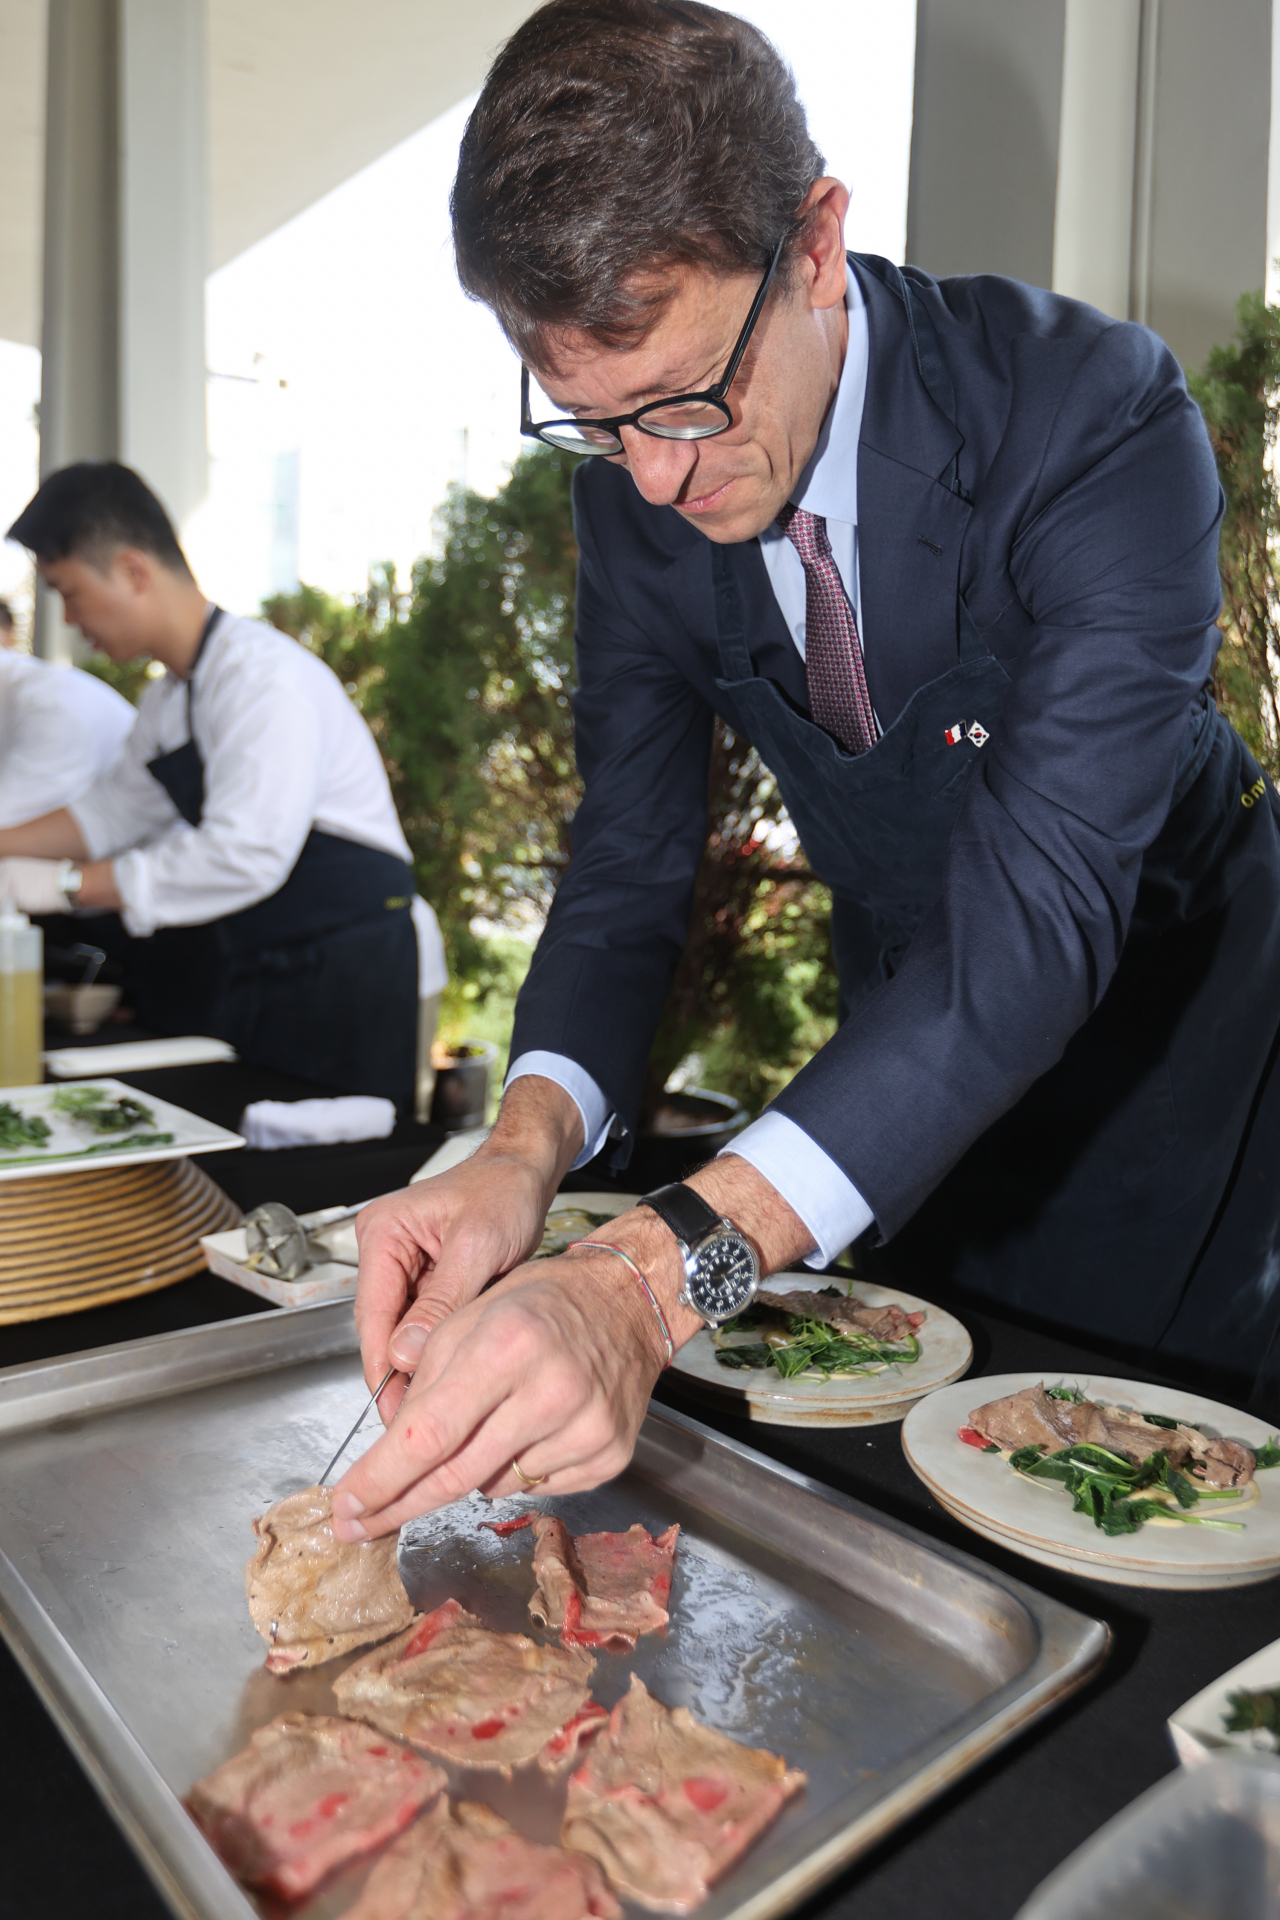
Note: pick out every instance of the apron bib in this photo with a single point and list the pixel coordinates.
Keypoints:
(1111, 1199)
(319, 980)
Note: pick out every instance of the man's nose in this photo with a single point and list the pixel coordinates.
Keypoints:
(658, 467)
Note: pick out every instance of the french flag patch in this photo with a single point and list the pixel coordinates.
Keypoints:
(954, 735)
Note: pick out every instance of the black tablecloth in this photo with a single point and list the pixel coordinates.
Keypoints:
(980, 1849)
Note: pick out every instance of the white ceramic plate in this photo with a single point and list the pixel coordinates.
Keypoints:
(1036, 1518)
(1197, 1728)
(72, 1145)
(862, 1400)
(226, 1252)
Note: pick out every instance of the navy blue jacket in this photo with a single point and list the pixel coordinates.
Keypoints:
(1085, 547)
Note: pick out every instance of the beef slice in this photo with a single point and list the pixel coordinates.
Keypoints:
(1022, 1419)
(667, 1805)
(463, 1862)
(313, 1597)
(601, 1589)
(843, 1313)
(478, 1698)
(307, 1794)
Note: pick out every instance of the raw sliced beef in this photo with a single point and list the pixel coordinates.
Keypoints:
(480, 1699)
(313, 1597)
(845, 1313)
(306, 1794)
(667, 1805)
(601, 1589)
(464, 1863)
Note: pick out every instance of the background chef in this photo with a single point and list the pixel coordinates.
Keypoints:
(246, 837)
(946, 552)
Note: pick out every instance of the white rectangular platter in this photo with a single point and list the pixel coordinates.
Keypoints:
(72, 1145)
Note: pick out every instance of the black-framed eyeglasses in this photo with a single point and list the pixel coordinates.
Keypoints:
(685, 416)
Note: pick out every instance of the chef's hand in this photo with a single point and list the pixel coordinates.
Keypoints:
(552, 1368)
(32, 885)
(427, 1251)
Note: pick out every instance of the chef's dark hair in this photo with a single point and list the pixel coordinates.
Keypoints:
(91, 510)
(615, 139)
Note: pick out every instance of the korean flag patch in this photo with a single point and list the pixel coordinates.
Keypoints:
(954, 735)
(978, 734)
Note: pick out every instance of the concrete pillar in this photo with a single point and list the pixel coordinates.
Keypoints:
(984, 141)
(125, 250)
(1117, 150)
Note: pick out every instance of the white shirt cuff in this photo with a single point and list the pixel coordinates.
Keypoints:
(809, 1181)
(581, 1088)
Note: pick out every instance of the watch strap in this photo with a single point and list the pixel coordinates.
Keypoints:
(684, 1211)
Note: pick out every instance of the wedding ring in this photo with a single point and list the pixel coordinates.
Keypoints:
(522, 1475)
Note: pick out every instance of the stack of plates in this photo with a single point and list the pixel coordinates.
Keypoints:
(83, 1239)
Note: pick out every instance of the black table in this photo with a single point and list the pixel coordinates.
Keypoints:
(979, 1849)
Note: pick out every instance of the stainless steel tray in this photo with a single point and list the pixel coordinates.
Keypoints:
(883, 1664)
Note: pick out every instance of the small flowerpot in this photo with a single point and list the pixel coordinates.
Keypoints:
(462, 1071)
(686, 1131)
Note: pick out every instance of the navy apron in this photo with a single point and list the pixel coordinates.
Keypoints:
(320, 980)
(1114, 1198)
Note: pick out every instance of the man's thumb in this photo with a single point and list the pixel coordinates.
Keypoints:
(437, 1300)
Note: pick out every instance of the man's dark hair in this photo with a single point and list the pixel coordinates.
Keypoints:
(6, 616)
(614, 140)
(91, 510)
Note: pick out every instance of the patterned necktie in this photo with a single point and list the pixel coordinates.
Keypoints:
(838, 697)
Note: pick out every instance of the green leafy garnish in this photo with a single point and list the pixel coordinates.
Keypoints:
(1108, 1487)
(1074, 1394)
(1268, 1455)
(1252, 1711)
(811, 1349)
(91, 1105)
(19, 1129)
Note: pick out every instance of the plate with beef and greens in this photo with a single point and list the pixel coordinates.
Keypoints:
(96, 1123)
(1147, 1486)
(1240, 1709)
(817, 1351)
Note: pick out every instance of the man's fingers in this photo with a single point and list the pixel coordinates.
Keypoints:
(471, 1260)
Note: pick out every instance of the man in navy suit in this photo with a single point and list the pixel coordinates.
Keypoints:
(946, 553)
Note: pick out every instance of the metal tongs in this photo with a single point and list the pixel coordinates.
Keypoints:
(284, 1244)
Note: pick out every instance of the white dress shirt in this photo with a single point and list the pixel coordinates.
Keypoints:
(807, 1178)
(283, 749)
(59, 729)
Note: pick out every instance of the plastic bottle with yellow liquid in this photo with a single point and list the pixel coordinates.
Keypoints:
(21, 999)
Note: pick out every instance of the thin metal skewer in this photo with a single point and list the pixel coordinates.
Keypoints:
(364, 1414)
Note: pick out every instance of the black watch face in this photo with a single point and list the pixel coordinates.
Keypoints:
(725, 1277)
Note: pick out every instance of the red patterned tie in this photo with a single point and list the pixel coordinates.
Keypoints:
(838, 696)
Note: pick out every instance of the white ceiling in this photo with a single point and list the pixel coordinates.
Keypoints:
(303, 93)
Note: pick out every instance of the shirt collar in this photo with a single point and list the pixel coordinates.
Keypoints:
(829, 483)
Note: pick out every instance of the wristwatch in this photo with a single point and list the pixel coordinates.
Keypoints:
(69, 882)
(722, 1268)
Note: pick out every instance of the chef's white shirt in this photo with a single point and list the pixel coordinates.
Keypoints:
(59, 729)
(808, 1179)
(283, 749)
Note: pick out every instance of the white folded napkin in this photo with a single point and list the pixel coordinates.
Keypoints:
(136, 1056)
(316, 1123)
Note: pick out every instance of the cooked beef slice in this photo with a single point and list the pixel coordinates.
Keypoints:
(564, 1749)
(463, 1862)
(480, 1699)
(306, 1794)
(601, 1589)
(843, 1313)
(667, 1805)
(1021, 1419)
(313, 1597)
(1135, 1439)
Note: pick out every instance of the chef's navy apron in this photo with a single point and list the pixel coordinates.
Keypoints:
(319, 980)
(1133, 1193)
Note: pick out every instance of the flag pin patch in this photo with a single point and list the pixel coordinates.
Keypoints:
(978, 734)
(954, 735)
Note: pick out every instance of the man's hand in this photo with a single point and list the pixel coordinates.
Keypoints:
(552, 1368)
(32, 885)
(426, 1252)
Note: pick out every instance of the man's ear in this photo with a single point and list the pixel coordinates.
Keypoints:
(821, 257)
(135, 569)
